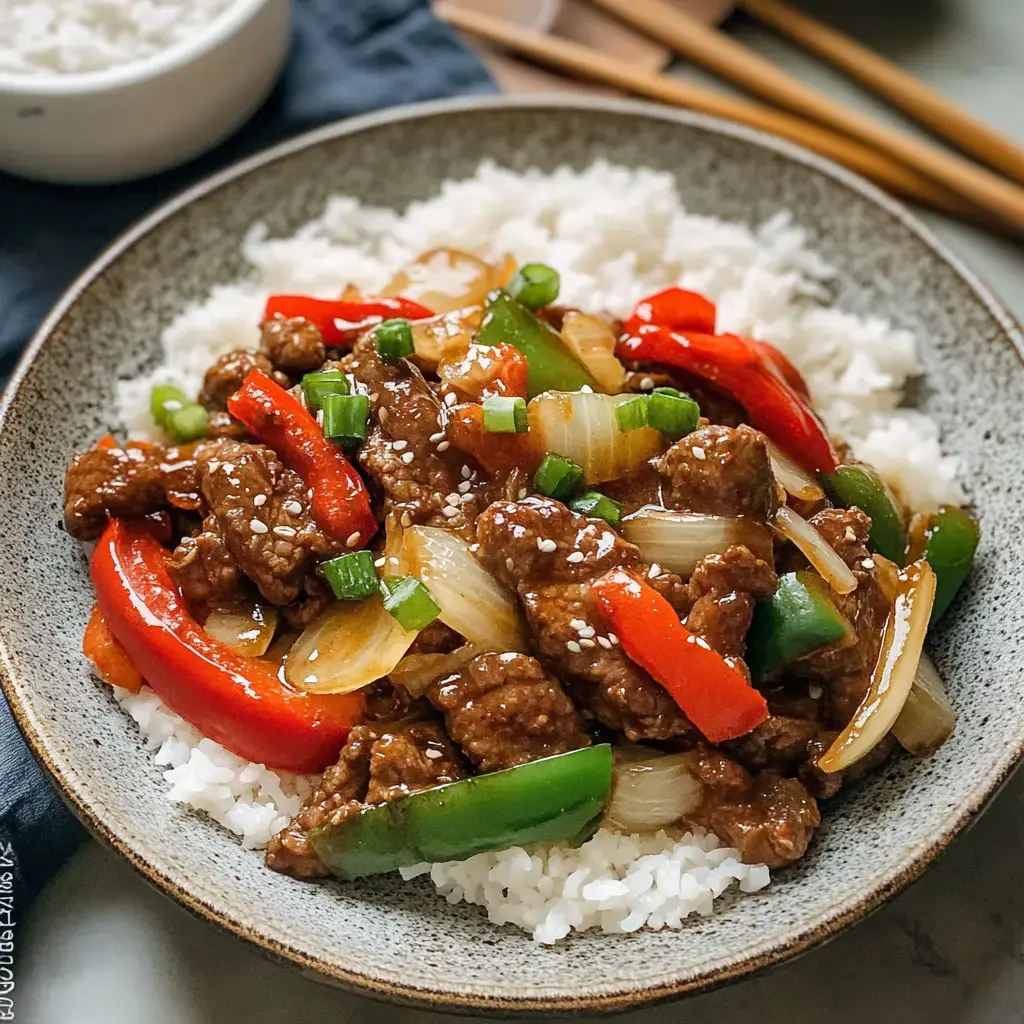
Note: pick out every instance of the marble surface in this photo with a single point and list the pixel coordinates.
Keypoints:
(101, 947)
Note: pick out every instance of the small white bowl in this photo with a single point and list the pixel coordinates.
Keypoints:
(138, 118)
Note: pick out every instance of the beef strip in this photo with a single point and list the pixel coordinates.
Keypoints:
(769, 818)
(293, 345)
(504, 710)
(716, 406)
(226, 375)
(206, 571)
(405, 453)
(380, 762)
(555, 593)
(723, 471)
(133, 481)
(846, 671)
(221, 424)
(262, 512)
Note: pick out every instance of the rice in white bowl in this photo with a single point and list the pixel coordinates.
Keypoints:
(615, 235)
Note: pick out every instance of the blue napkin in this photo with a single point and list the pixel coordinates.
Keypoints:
(348, 57)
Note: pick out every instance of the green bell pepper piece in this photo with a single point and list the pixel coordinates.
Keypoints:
(798, 617)
(952, 539)
(550, 365)
(861, 486)
(554, 799)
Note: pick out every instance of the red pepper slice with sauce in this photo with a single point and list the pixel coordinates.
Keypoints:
(341, 321)
(340, 502)
(712, 694)
(239, 702)
(738, 366)
(676, 308)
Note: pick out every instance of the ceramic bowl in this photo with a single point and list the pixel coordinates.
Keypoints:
(399, 940)
(140, 118)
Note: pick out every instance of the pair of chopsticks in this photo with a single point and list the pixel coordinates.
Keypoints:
(906, 166)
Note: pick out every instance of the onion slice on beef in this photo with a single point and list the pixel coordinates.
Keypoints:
(793, 477)
(415, 672)
(927, 720)
(472, 601)
(677, 541)
(249, 631)
(894, 672)
(582, 427)
(352, 644)
(592, 341)
(445, 280)
(836, 573)
(652, 792)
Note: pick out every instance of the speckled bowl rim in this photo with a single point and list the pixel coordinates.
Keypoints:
(34, 730)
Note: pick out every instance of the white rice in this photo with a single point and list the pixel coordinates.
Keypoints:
(615, 235)
(46, 37)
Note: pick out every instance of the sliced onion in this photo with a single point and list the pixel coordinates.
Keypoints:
(793, 477)
(472, 601)
(652, 793)
(352, 644)
(582, 427)
(415, 672)
(445, 280)
(894, 672)
(679, 540)
(927, 720)
(249, 631)
(592, 341)
(445, 336)
(836, 573)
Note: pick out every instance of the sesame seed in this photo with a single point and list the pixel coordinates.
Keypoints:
(433, 754)
(701, 642)
(576, 556)
(399, 445)
(284, 531)
(309, 494)
(375, 396)
(439, 436)
(509, 564)
(257, 527)
(467, 498)
(464, 486)
(466, 472)
(474, 548)
(314, 654)
(577, 623)
(586, 390)
(320, 417)
(815, 692)
(228, 468)
(523, 493)
(698, 452)
(452, 499)
(408, 457)
(352, 540)
(613, 639)
(587, 642)
(547, 545)
(449, 398)
(310, 679)
(379, 562)
(449, 511)
(868, 563)
(850, 535)
(294, 507)
(260, 500)
(444, 446)
(394, 561)
(574, 647)
(383, 416)
(605, 642)
(654, 572)
(587, 631)
(406, 520)
(646, 383)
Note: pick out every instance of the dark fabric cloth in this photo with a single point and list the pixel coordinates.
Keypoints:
(348, 57)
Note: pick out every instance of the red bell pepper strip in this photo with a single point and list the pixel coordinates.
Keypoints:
(109, 658)
(497, 453)
(239, 702)
(712, 694)
(675, 308)
(340, 321)
(340, 502)
(790, 374)
(737, 366)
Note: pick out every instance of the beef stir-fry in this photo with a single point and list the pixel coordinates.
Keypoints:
(501, 570)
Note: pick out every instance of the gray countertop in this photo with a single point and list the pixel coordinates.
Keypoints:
(100, 947)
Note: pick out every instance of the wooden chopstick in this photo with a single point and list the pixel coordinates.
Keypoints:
(903, 90)
(718, 52)
(585, 62)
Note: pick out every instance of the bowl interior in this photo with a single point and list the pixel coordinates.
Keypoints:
(399, 939)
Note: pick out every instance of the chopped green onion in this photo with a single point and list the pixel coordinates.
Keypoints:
(557, 477)
(535, 285)
(597, 506)
(633, 414)
(352, 577)
(672, 412)
(504, 415)
(394, 339)
(166, 399)
(345, 417)
(187, 424)
(409, 601)
(317, 386)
